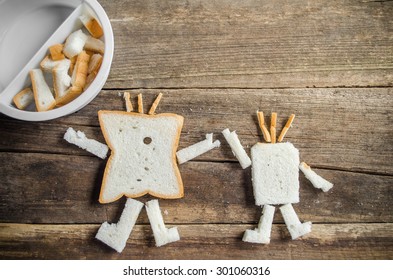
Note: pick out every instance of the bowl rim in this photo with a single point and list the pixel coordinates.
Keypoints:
(90, 93)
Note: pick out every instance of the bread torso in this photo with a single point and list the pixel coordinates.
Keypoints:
(143, 155)
(275, 173)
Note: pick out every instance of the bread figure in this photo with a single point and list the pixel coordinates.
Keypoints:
(275, 179)
(143, 160)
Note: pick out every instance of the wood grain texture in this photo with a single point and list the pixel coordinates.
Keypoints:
(217, 63)
(251, 44)
(346, 129)
(64, 189)
(342, 241)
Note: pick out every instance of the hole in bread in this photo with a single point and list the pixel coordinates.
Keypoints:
(147, 168)
(139, 180)
(147, 140)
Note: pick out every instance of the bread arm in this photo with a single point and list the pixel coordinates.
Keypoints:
(197, 149)
(79, 139)
(317, 181)
(237, 148)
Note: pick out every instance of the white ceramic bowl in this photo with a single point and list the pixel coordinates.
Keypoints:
(25, 25)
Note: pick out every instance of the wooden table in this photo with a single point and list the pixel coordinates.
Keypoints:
(217, 63)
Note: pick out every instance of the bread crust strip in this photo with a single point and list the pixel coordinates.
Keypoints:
(286, 127)
(140, 103)
(127, 99)
(273, 127)
(265, 132)
(155, 104)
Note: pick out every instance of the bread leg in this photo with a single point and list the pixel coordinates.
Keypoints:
(262, 233)
(162, 235)
(116, 235)
(295, 227)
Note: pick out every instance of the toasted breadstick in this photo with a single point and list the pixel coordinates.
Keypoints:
(56, 52)
(92, 70)
(79, 74)
(140, 103)
(155, 104)
(128, 102)
(43, 97)
(72, 66)
(265, 132)
(94, 63)
(74, 43)
(90, 78)
(92, 25)
(286, 127)
(70, 94)
(273, 127)
(95, 45)
(24, 98)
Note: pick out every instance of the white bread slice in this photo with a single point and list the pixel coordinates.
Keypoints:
(74, 43)
(94, 45)
(116, 235)
(43, 96)
(61, 80)
(162, 235)
(143, 158)
(92, 25)
(275, 173)
(24, 98)
(316, 180)
(237, 148)
(79, 139)
(197, 149)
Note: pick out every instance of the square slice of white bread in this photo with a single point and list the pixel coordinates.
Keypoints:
(275, 173)
(74, 43)
(43, 96)
(24, 98)
(79, 139)
(237, 148)
(143, 158)
(94, 45)
(317, 181)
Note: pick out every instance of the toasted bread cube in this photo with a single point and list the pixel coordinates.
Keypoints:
(56, 52)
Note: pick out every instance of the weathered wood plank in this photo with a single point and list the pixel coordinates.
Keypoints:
(347, 129)
(45, 188)
(251, 44)
(326, 241)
